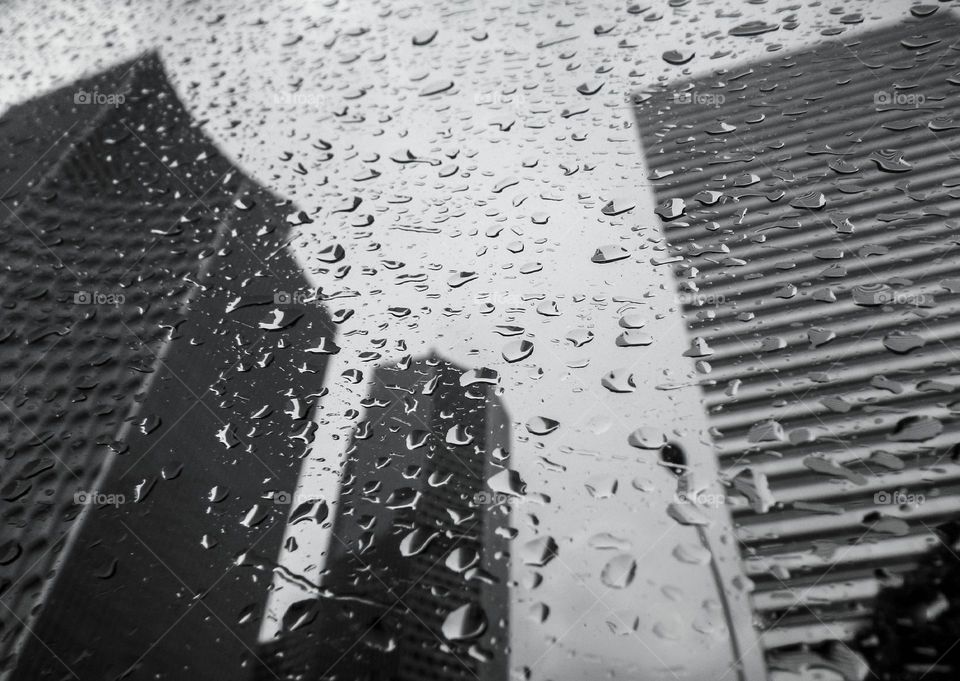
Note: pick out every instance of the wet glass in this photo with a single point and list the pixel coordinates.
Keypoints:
(479, 340)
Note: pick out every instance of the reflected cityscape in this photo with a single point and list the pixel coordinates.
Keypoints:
(817, 279)
(132, 421)
(479, 341)
(416, 580)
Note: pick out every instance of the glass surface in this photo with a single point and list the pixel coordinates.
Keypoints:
(535, 340)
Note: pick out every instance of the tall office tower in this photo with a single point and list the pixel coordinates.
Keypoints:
(810, 203)
(415, 579)
(148, 354)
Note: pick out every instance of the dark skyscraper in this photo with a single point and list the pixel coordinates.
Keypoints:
(415, 579)
(151, 344)
(812, 198)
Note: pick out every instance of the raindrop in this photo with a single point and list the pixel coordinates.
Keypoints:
(619, 571)
(670, 209)
(466, 622)
(618, 206)
(461, 278)
(579, 337)
(902, 342)
(693, 554)
(517, 350)
(541, 425)
(538, 552)
(424, 37)
(646, 437)
(890, 160)
(634, 337)
(590, 88)
(436, 87)
(619, 381)
(610, 253)
(678, 57)
(916, 429)
(923, 10)
(752, 28)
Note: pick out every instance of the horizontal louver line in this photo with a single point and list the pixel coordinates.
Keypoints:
(905, 307)
(735, 439)
(790, 94)
(775, 316)
(861, 209)
(757, 391)
(792, 469)
(844, 630)
(940, 335)
(758, 257)
(843, 439)
(829, 592)
(922, 139)
(847, 525)
(811, 413)
(758, 224)
(760, 561)
(922, 479)
(817, 224)
(861, 502)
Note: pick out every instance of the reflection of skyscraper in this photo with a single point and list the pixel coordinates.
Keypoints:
(812, 200)
(148, 361)
(416, 574)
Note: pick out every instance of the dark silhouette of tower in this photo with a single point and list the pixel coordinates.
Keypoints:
(153, 335)
(415, 580)
(812, 200)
